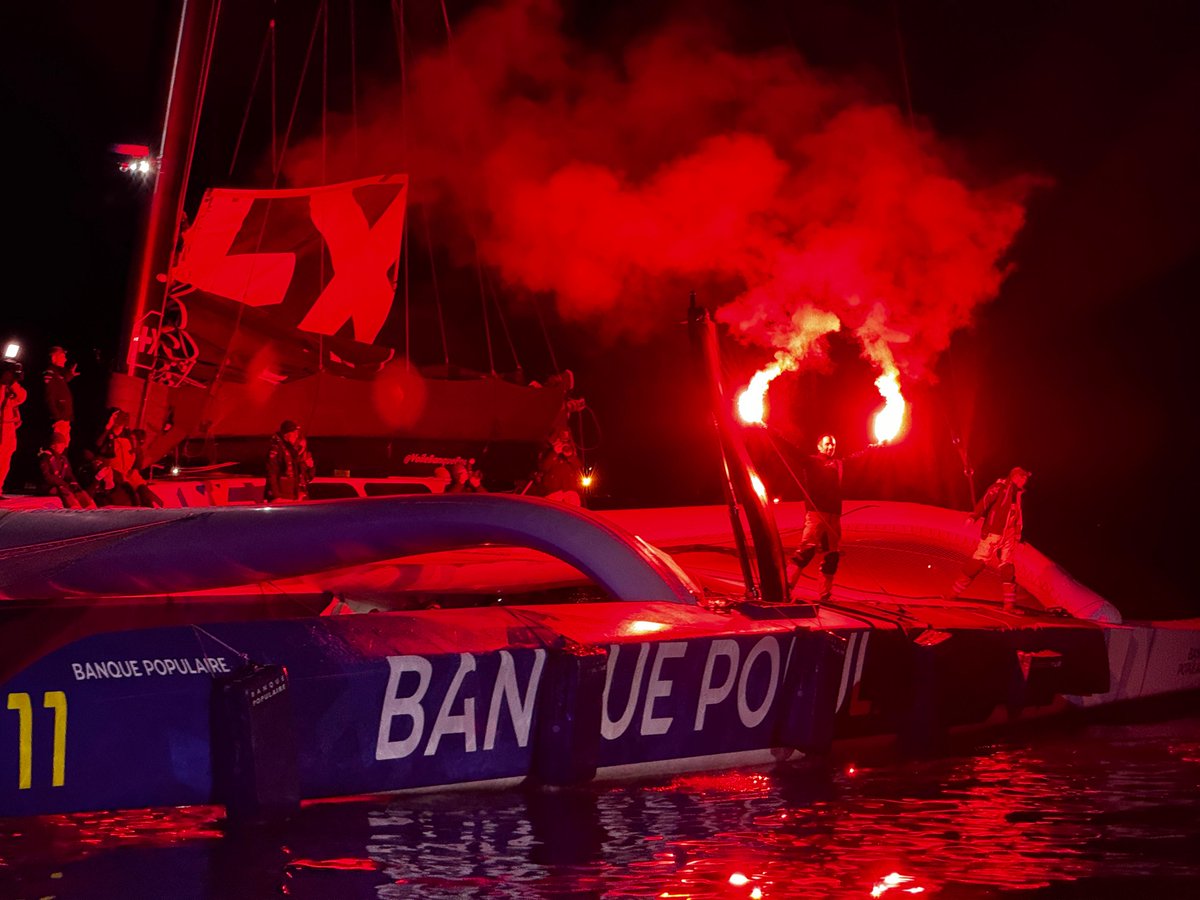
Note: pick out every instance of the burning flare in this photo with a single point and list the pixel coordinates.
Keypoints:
(809, 325)
(888, 421)
(752, 401)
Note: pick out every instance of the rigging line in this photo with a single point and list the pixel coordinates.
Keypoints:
(200, 630)
(398, 27)
(437, 294)
(277, 165)
(316, 395)
(401, 34)
(262, 58)
(287, 134)
(770, 440)
(295, 599)
(487, 324)
(446, 21)
(960, 436)
(324, 104)
(903, 64)
(353, 85)
(470, 227)
(183, 17)
(324, 180)
(512, 348)
(405, 238)
(595, 424)
(871, 618)
(274, 96)
(210, 42)
(546, 335)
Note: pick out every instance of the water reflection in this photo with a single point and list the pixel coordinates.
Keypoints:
(1106, 805)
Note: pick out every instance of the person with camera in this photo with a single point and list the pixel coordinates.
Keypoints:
(12, 395)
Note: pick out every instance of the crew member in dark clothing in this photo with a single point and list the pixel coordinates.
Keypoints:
(59, 403)
(289, 465)
(1000, 510)
(822, 477)
(96, 477)
(559, 472)
(58, 477)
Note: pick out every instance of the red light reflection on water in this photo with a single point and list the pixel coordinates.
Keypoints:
(80, 834)
(348, 864)
(1059, 809)
(734, 783)
(895, 881)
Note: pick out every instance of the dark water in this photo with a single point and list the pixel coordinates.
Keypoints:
(1096, 811)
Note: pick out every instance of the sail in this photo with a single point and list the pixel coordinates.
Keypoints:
(274, 305)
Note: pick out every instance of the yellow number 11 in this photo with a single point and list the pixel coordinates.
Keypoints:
(57, 701)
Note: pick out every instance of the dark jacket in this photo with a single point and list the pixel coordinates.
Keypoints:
(59, 401)
(57, 475)
(995, 505)
(823, 483)
(823, 476)
(288, 473)
(557, 472)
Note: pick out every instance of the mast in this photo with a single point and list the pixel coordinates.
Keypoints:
(197, 25)
(741, 478)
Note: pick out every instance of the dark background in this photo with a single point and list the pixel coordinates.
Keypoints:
(1080, 370)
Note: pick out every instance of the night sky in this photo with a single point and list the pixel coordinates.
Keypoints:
(1080, 114)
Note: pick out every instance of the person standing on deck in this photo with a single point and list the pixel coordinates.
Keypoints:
(822, 480)
(12, 395)
(59, 403)
(289, 465)
(1000, 510)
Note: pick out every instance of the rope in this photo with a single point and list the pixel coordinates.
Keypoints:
(404, 257)
(210, 42)
(287, 134)
(512, 348)
(903, 65)
(398, 17)
(487, 325)
(268, 36)
(437, 294)
(198, 630)
(277, 166)
(546, 335)
(354, 84)
(274, 97)
(446, 22)
(401, 33)
(795, 478)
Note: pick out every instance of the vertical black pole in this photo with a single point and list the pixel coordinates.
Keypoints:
(740, 476)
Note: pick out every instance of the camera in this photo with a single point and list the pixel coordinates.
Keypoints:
(11, 365)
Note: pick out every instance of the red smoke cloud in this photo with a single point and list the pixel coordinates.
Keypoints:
(615, 184)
